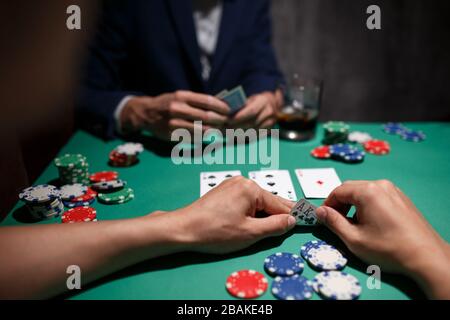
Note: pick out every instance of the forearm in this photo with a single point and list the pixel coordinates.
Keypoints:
(35, 259)
(432, 273)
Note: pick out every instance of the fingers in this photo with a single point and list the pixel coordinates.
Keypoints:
(184, 111)
(337, 223)
(203, 101)
(272, 204)
(272, 225)
(344, 196)
(184, 124)
(250, 111)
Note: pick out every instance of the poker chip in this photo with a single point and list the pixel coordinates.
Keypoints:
(292, 288)
(79, 214)
(393, 128)
(109, 185)
(336, 126)
(413, 136)
(322, 152)
(130, 148)
(377, 147)
(355, 156)
(335, 132)
(359, 137)
(117, 197)
(40, 193)
(103, 176)
(72, 168)
(70, 191)
(246, 284)
(283, 264)
(308, 245)
(74, 204)
(325, 257)
(338, 285)
(87, 196)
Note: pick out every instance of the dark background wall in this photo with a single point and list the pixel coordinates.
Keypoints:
(401, 72)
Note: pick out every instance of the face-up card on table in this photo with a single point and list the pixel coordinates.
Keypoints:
(210, 180)
(318, 183)
(235, 98)
(304, 213)
(278, 182)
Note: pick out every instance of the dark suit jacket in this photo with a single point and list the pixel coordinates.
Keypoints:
(149, 47)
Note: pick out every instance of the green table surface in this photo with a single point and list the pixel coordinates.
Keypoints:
(421, 170)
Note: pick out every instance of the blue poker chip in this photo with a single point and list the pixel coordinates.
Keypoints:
(283, 264)
(308, 245)
(414, 136)
(292, 288)
(341, 149)
(75, 204)
(393, 128)
(355, 156)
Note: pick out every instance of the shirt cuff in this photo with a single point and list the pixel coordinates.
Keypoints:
(118, 111)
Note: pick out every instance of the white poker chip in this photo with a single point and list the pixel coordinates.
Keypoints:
(39, 193)
(338, 285)
(109, 185)
(130, 148)
(326, 257)
(359, 137)
(71, 191)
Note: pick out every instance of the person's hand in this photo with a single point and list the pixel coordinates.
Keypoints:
(259, 112)
(167, 112)
(224, 219)
(388, 230)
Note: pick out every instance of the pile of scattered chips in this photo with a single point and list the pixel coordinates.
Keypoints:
(340, 152)
(402, 131)
(79, 196)
(111, 189)
(72, 168)
(43, 201)
(289, 284)
(125, 155)
(79, 214)
(335, 132)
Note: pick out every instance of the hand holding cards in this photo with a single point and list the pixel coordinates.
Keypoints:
(235, 98)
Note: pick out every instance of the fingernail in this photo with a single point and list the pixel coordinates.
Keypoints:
(291, 222)
(321, 212)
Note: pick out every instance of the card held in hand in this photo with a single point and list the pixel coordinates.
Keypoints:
(304, 213)
(235, 98)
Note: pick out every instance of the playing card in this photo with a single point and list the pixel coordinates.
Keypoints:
(276, 181)
(317, 183)
(304, 213)
(210, 180)
(221, 94)
(235, 98)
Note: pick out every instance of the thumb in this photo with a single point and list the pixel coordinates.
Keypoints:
(336, 222)
(273, 225)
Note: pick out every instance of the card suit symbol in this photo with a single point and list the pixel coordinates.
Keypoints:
(211, 184)
(271, 183)
(228, 176)
(211, 177)
(319, 182)
(274, 192)
(269, 176)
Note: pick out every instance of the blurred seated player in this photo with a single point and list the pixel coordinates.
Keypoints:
(157, 64)
(389, 231)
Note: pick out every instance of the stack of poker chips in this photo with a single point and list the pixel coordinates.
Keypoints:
(72, 168)
(77, 195)
(405, 133)
(125, 155)
(335, 132)
(111, 189)
(341, 152)
(43, 201)
(79, 214)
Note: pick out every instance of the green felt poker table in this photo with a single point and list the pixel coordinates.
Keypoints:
(421, 170)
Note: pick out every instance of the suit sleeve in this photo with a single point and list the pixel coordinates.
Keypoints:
(101, 90)
(262, 72)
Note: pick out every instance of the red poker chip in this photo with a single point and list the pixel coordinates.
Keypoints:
(246, 284)
(322, 152)
(377, 147)
(89, 195)
(104, 176)
(79, 214)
